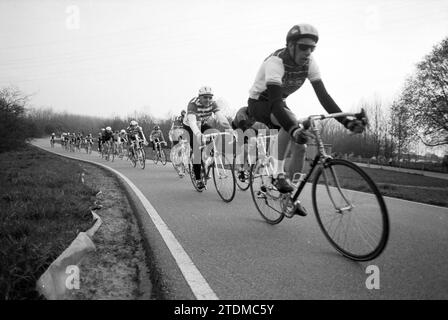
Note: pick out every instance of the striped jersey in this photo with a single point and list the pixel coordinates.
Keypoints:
(201, 112)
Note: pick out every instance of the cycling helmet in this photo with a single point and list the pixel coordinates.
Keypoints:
(156, 127)
(134, 123)
(108, 129)
(302, 30)
(205, 91)
(102, 129)
(123, 131)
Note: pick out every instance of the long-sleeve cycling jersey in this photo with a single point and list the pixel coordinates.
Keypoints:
(279, 76)
(132, 131)
(156, 134)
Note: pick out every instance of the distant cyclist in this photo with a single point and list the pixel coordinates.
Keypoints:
(177, 130)
(132, 131)
(108, 136)
(156, 136)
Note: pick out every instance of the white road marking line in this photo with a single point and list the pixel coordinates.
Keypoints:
(194, 278)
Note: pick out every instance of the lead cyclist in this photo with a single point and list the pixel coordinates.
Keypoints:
(282, 73)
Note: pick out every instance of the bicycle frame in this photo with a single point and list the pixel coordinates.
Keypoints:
(322, 157)
(212, 137)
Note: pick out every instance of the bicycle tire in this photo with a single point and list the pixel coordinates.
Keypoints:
(266, 201)
(355, 184)
(243, 184)
(155, 156)
(193, 177)
(141, 158)
(112, 152)
(224, 177)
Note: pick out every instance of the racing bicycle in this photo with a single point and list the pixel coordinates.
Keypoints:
(348, 205)
(221, 165)
(137, 153)
(159, 152)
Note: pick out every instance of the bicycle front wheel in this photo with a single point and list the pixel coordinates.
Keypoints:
(193, 177)
(350, 210)
(155, 156)
(163, 156)
(141, 158)
(266, 198)
(224, 177)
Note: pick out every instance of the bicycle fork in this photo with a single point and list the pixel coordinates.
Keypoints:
(349, 206)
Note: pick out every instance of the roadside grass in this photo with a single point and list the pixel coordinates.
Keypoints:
(43, 206)
(401, 185)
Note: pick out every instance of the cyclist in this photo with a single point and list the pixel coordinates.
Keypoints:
(52, 139)
(133, 130)
(123, 136)
(73, 140)
(66, 139)
(108, 136)
(282, 73)
(177, 131)
(156, 136)
(89, 139)
(100, 139)
(78, 140)
(122, 141)
(203, 113)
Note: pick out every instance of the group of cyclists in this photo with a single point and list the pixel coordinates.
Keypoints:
(74, 141)
(119, 140)
(282, 73)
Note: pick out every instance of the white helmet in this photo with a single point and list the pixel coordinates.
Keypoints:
(134, 123)
(205, 91)
(108, 129)
(123, 131)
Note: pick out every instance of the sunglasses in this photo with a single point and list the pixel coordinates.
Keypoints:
(305, 47)
(207, 97)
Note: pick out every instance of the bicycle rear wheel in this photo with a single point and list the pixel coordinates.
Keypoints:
(350, 210)
(224, 177)
(266, 198)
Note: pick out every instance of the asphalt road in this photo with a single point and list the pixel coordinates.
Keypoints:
(241, 257)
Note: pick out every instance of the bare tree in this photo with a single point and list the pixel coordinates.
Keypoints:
(426, 96)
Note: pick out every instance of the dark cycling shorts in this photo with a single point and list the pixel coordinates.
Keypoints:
(261, 111)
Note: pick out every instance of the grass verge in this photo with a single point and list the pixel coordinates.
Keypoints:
(43, 206)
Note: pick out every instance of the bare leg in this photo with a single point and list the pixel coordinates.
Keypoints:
(297, 160)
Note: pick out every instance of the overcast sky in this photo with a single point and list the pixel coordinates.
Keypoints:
(112, 57)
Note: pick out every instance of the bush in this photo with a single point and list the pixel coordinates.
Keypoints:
(15, 128)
